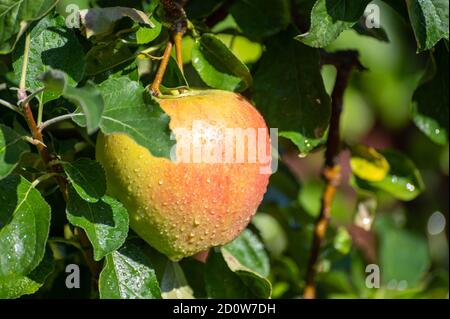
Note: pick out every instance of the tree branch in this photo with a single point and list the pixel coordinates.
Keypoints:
(48, 157)
(345, 62)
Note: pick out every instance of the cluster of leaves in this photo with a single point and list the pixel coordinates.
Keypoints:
(86, 71)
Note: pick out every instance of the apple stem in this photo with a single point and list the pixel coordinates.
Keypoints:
(178, 48)
(345, 62)
(178, 26)
(154, 88)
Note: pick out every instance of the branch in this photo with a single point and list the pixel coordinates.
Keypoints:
(345, 62)
(154, 88)
(58, 119)
(9, 106)
(47, 157)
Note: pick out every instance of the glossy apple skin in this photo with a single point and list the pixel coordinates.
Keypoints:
(185, 208)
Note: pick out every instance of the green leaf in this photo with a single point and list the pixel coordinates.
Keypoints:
(106, 56)
(271, 232)
(100, 22)
(15, 15)
(429, 20)
(258, 285)
(12, 147)
(18, 285)
(305, 145)
(246, 257)
(403, 255)
(24, 226)
(217, 66)
(329, 19)
(368, 164)
(129, 110)
(147, 34)
(288, 88)
(403, 180)
(342, 241)
(128, 274)
(105, 222)
(249, 251)
(430, 101)
(346, 10)
(88, 97)
(197, 9)
(237, 281)
(52, 46)
(173, 77)
(174, 284)
(261, 18)
(87, 178)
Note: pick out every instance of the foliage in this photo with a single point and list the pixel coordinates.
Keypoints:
(88, 73)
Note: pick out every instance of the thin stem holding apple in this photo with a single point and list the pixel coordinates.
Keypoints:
(177, 18)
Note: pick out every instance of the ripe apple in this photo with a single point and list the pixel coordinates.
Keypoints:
(183, 206)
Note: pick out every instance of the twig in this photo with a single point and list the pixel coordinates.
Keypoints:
(154, 88)
(46, 156)
(23, 75)
(178, 49)
(345, 62)
(9, 105)
(57, 119)
(31, 96)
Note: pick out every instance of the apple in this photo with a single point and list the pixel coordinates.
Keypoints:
(204, 196)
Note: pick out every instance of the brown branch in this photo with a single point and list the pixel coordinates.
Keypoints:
(345, 62)
(47, 158)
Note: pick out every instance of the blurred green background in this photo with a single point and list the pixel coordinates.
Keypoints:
(407, 240)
